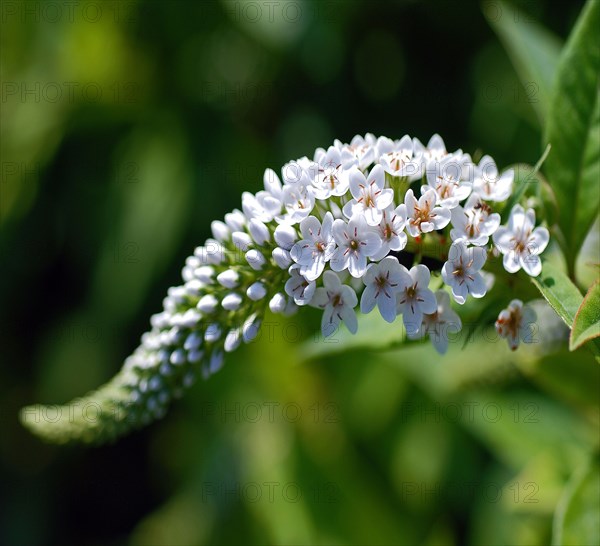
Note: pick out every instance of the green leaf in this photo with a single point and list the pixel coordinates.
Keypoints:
(587, 320)
(533, 50)
(558, 290)
(576, 519)
(573, 129)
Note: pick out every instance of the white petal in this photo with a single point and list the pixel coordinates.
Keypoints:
(413, 317)
(531, 264)
(349, 317)
(421, 276)
(478, 255)
(538, 241)
(477, 287)
(331, 281)
(357, 182)
(511, 262)
(387, 307)
(367, 300)
(429, 303)
(371, 242)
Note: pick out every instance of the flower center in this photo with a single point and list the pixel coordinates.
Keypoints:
(337, 300)
(381, 282)
(422, 214)
(354, 244)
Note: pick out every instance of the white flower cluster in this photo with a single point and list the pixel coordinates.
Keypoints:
(331, 232)
(335, 232)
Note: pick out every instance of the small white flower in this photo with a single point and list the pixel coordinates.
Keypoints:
(423, 215)
(330, 177)
(475, 222)
(520, 243)
(414, 298)
(370, 195)
(433, 153)
(397, 158)
(383, 281)
(439, 323)
(391, 231)
(316, 247)
(447, 179)
(262, 206)
(355, 243)
(298, 201)
(299, 287)
(516, 323)
(295, 172)
(489, 183)
(461, 271)
(338, 301)
(360, 151)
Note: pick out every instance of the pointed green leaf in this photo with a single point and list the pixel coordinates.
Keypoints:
(573, 129)
(587, 320)
(559, 292)
(533, 50)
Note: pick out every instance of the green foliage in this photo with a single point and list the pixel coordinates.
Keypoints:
(573, 130)
(576, 520)
(559, 291)
(586, 325)
(533, 50)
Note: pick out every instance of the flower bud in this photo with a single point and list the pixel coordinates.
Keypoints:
(232, 302)
(282, 257)
(260, 233)
(278, 303)
(255, 259)
(256, 291)
(207, 303)
(220, 230)
(285, 236)
(228, 278)
(241, 240)
(232, 340)
(235, 220)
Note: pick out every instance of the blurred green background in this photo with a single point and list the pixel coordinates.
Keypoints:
(126, 128)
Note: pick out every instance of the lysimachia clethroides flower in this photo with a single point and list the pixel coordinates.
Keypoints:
(377, 225)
